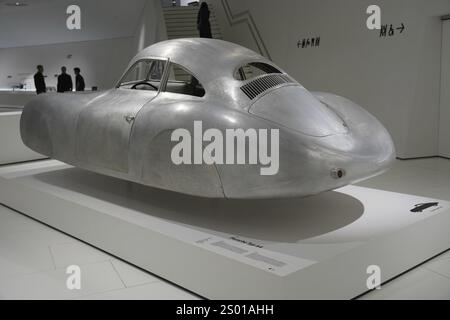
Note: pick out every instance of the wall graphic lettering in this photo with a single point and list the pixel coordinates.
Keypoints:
(308, 43)
(391, 30)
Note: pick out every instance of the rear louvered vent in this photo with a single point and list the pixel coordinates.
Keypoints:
(260, 85)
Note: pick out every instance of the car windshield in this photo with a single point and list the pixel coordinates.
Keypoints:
(144, 75)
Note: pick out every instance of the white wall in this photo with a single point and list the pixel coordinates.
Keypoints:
(397, 79)
(102, 62)
(444, 134)
(151, 27)
(44, 21)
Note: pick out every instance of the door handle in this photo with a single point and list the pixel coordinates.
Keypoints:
(129, 118)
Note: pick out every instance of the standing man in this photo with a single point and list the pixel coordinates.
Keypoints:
(79, 80)
(64, 81)
(203, 24)
(39, 80)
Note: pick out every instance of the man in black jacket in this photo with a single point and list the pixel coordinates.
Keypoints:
(203, 24)
(79, 80)
(39, 80)
(64, 81)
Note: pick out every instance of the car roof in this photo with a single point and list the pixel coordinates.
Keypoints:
(210, 60)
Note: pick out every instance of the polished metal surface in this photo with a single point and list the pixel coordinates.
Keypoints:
(326, 141)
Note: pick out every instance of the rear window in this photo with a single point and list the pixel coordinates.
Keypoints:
(253, 70)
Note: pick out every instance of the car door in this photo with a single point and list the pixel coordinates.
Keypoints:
(104, 126)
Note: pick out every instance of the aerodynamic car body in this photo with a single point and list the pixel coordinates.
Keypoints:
(324, 141)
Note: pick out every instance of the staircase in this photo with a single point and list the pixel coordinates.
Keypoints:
(181, 22)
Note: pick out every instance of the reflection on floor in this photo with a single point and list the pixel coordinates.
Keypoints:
(34, 258)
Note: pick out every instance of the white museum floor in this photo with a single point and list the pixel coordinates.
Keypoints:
(34, 257)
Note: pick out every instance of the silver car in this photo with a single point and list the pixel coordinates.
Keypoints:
(325, 141)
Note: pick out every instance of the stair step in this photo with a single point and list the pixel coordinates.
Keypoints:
(174, 38)
(187, 23)
(196, 35)
(189, 28)
(177, 16)
(184, 8)
(173, 14)
(188, 34)
(194, 21)
(185, 17)
(178, 9)
(192, 35)
(181, 20)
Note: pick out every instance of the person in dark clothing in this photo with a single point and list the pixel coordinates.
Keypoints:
(79, 80)
(203, 25)
(39, 80)
(64, 81)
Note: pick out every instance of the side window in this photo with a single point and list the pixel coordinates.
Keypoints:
(253, 70)
(183, 82)
(144, 75)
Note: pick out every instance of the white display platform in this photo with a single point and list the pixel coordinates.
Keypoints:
(12, 149)
(316, 247)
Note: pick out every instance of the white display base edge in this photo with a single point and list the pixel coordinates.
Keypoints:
(12, 148)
